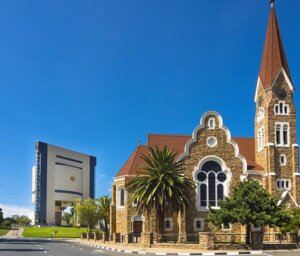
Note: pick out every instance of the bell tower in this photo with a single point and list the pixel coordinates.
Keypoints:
(275, 119)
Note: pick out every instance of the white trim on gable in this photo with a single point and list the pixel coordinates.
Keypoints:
(284, 195)
(201, 125)
(256, 90)
(289, 82)
(287, 79)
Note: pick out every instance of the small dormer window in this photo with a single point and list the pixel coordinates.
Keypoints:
(211, 123)
(281, 108)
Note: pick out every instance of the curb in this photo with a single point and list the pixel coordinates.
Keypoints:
(170, 253)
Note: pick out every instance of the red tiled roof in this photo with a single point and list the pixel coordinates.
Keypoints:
(247, 149)
(133, 163)
(177, 143)
(174, 143)
(274, 57)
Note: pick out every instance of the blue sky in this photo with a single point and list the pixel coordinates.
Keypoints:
(97, 76)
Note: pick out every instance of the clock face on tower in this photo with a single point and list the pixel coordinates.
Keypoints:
(281, 94)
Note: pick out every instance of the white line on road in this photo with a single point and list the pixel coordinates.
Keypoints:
(100, 251)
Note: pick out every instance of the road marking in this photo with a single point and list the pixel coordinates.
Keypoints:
(80, 249)
(100, 251)
(267, 254)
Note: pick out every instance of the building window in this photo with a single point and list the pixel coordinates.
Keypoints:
(211, 141)
(198, 224)
(134, 203)
(226, 226)
(121, 197)
(168, 224)
(260, 114)
(282, 134)
(283, 184)
(281, 108)
(211, 183)
(261, 138)
(211, 123)
(282, 160)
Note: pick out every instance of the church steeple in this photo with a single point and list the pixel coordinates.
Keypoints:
(274, 58)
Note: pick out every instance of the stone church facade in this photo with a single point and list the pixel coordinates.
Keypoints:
(217, 162)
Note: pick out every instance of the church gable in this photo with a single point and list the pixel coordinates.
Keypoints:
(212, 159)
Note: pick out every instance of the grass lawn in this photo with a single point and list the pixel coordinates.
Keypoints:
(3, 231)
(56, 232)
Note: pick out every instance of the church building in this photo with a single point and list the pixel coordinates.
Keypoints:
(217, 161)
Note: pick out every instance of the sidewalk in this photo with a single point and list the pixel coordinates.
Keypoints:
(15, 233)
(160, 251)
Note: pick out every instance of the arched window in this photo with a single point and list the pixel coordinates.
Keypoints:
(198, 224)
(211, 123)
(285, 134)
(211, 181)
(121, 197)
(282, 134)
(278, 137)
(281, 108)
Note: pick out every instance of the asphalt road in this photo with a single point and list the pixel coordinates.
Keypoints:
(47, 247)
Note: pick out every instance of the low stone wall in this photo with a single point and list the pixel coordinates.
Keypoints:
(280, 246)
(225, 247)
(175, 246)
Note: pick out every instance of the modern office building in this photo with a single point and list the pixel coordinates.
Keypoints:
(58, 178)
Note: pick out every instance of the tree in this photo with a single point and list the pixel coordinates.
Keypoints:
(104, 203)
(1, 216)
(248, 204)
(87, 213)
(161, 186)
(7, 222)
(23, 220)
(66, 216)
(293, 223)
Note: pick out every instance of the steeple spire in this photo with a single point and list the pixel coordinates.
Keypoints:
(274, 57)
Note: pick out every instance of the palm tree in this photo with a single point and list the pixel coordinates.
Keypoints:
(104, 203)
(161, 186)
